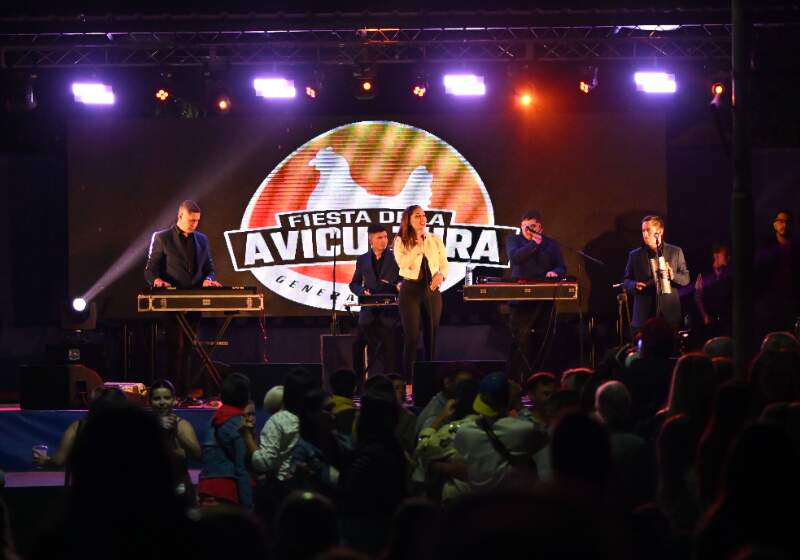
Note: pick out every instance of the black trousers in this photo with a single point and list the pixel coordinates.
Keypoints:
(376, 333)
(419, 308)
(528, 324)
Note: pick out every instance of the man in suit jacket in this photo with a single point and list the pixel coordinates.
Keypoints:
(180, 257)
(376, 273)
(639, 280)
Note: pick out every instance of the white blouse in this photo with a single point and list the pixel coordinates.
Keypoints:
(410, 260)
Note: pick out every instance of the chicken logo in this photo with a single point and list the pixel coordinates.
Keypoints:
(310, 216)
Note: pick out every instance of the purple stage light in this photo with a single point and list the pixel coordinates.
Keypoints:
(93, 93)
(274, 88)
(464, 84)
(655, 82)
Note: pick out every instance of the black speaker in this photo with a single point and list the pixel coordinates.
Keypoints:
(56, 387)
(428, 375)
(336, 352)
(264, 377)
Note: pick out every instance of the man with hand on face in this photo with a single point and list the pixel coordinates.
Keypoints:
(650, 300)
(180, 257)
(376, 273)
(533, 257)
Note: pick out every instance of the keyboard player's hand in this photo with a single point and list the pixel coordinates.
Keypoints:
(208, 283)
(159, 283)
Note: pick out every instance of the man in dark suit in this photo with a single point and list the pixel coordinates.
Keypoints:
(649, 298)
(376, 273)
(180, 257)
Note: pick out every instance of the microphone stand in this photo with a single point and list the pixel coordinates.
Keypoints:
(334, 293)
(580, 306)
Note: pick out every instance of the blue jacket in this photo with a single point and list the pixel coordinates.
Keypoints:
(225, 456)
(531, 260)
(364, 277)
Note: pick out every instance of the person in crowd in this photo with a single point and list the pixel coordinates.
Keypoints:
(631, 456)
(729, 413)
(102, 397)
(719, 347)
(713, 294)
(495, 446)
(180, 433)
(343, 387)
(407, 420)
(780, 340)
(376, 274)
(759, 486)
(581, 454)
(774, 377)
(575, 379)
(450, 380)
(422, 259)
(321, 451)
(533, 257)
(306, 526)
(677, 494)
(123, 485)
(445, 472)
(541, 388)
(273, 400)
(374, 482)
(415, 531)
(649, 287)
(224, 477)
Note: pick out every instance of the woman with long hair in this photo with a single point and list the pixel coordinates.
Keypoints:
(422, 259)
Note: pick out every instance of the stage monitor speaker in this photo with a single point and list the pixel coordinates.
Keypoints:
(56, 387)
(336, 352)
(428, 376)
(264, 377)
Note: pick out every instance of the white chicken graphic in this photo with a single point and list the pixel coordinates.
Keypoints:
(336, 188)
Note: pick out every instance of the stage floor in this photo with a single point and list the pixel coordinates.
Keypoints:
(22, 429)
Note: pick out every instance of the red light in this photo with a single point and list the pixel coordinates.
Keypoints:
(584, 87)
(366, 85)
(162, 95)
(419, 91)
(525, 99)
(718, 88)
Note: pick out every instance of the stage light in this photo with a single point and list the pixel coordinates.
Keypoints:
(464, 85)
(79, 304)
(311, 92)
(90, 93)
(655, 82)
(525, 99)
(162, 95)
(588, 79)
(366, 85)
(718, 89)
(223, 104)
(419, 91)
(274, 88)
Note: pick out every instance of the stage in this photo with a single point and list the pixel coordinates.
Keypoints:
(22, 429)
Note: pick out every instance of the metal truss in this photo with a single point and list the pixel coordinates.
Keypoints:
(181, 43)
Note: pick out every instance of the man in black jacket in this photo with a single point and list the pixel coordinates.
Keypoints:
(376, 273)
(648, 299)
(180, 257)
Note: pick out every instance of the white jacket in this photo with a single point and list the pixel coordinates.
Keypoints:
(410, 260)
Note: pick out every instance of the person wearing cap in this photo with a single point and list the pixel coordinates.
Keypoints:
(534, 257)
(376, 274)
(489, 464)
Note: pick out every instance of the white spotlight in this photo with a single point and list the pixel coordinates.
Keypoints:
(274, 88)
(655, 82)
(93, 93)
(79, 304)
(464, 84)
